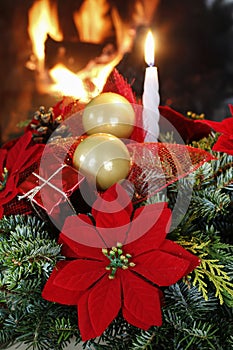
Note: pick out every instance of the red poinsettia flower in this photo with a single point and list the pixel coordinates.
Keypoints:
(14, 162)
(125, 276)
(187, 128)
(225, 127)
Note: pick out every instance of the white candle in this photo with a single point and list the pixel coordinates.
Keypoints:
(150, 98)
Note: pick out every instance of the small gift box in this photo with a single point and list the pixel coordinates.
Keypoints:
(51, 185)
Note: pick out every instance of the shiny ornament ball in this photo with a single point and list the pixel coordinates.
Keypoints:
(109, 113)
(103, 159)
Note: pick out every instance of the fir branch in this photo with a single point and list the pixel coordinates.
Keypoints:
(26, 250)
(209, 203)
(118, 335)
(185, 298)
(217, 173)
(144, 341)
(9, 223)
(65, 330)
(223, 170)
(198, 333)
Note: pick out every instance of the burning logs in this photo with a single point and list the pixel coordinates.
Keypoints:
(72, 54)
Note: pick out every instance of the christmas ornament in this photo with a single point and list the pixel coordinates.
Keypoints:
(109, 113)
(117, 83)
(103, 159)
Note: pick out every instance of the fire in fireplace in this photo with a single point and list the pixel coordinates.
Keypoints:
(55, 47)
(65, 48)
(78, 65)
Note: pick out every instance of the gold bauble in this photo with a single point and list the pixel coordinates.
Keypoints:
(109, 113)
(103, 159)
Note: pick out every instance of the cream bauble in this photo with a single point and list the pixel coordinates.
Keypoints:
(109, 113)
(103, 159)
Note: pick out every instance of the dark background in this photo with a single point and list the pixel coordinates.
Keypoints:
(194, 57)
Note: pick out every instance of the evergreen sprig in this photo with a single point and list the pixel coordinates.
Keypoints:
(26, 249)
(197, 312)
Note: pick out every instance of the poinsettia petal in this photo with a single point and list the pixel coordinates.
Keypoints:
(31, 156)
(130, 318)
(85, 326)
(15, 155)
(104, 303)
(69, 248)
(161, 268)
(112, 215)
(79, 275)
(21, 156)
(113, 235)
(176, 250)
(3, 154)
(231, 108)
(72, 249)
(187, 128)
(87, 238)
(10, 191)
(117, 197)
(148, 229)
(225, 126)
(224, 144)
(59, 294)
(112, 218)
(141, 299)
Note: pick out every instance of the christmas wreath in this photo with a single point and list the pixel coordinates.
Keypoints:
(142, 260)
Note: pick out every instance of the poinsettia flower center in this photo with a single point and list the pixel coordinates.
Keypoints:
(4, 179)
(117, 260)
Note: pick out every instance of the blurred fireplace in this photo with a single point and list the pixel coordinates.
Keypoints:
(86, 39)
(54, 48)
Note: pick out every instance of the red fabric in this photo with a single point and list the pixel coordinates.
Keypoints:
(21, 158)
(157, 165)
(98, 298)
(116, 83)
(66, 107)
(154, 165)
(225, 127)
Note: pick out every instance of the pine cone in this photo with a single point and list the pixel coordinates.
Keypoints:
(45, 124)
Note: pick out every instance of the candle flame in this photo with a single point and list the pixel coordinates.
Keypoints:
(149, 49)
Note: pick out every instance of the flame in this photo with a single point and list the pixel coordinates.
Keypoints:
(95, 21)
(92, 22)
(84, 85)
(67, 83)
(149, 49)
(42, 20)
